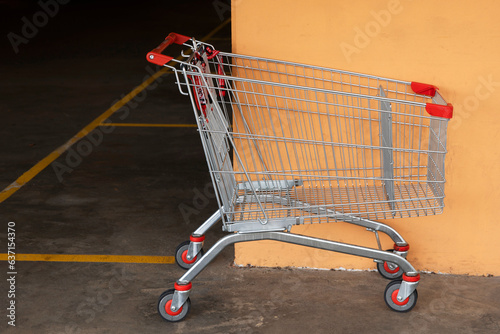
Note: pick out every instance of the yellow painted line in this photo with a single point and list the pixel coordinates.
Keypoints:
(42, 164)
(146, 125)
(91, 258)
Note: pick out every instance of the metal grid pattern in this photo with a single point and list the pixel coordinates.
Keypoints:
(292, 140)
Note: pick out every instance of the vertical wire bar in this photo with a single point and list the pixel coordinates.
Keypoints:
(356, 108)
(313, 147)
(318, 149)
(351, 149)
(362, 131)
(341, 147)
(401, 181)
(372, 149)
(307, 133)
(295, 109)
(328, 145)
(281, 122)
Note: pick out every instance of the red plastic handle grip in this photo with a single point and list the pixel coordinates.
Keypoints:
(155, 55)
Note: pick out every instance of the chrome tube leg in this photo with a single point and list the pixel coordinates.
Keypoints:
(208, 223)
(209, 256)
(198, 236)
(298, 240)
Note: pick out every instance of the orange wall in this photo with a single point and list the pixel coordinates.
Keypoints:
(454, 45)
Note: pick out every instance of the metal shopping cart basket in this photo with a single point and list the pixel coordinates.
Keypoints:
(289, 144)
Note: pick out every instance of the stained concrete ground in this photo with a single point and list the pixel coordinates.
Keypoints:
(124, 197)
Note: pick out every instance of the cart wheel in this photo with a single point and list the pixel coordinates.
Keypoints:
(180, 256)
(164, 307)
(389, 270)
(391, 293)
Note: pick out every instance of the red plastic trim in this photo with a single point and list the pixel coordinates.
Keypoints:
(439, 110)
(411, 278)
(197, 239)
(423, 89)
(158, 58)
(184, 258)
(155, 55)
(401, 248)
(184, 287)
(211, 53)
(395, 300)
(169, 311)
(178, 38)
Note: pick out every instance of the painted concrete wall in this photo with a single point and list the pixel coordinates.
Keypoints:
(454, 45)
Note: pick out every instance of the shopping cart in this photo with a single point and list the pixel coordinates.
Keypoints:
(289, 144)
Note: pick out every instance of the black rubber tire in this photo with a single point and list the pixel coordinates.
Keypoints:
(390, 290)
(164, 298)
(183, 246)
(385, 274)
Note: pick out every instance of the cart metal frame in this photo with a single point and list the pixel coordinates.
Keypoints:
(289, 144)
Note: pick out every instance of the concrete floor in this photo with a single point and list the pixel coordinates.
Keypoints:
(123, 198)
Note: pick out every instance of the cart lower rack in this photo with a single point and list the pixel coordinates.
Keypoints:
(289, 144)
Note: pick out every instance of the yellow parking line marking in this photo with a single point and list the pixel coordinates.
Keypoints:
(42, 164)
(146, 125)
(91, 258)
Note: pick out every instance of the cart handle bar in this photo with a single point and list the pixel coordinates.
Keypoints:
(156, 56)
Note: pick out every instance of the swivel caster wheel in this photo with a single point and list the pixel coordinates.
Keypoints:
(166, 313)
(391, 294)
(181, 256)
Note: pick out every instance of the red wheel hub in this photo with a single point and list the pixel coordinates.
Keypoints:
(184, 258)
(169, 311)
(389, 270)
(395, 300)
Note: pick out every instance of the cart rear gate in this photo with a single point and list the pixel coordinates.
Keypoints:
(289, 144)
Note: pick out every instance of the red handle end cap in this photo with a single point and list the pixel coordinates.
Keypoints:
(439, 110)
(423, 89)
